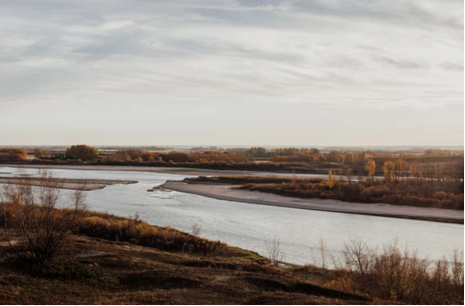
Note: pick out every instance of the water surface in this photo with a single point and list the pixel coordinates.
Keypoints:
(252, 226)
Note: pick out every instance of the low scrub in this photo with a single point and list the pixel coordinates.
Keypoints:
(408, 192)
(141, 233)
(400, 276)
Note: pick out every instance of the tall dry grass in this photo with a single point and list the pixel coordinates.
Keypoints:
(400, 276)
(141, 233)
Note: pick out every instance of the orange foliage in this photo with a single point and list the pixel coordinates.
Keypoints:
(309, 159)
(12, 154)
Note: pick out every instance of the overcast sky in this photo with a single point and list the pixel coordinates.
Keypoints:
(246, 72)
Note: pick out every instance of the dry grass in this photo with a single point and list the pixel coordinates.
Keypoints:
(393, 275)
(103, 272)
(408, 192)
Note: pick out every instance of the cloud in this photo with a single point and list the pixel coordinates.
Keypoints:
(332, 54)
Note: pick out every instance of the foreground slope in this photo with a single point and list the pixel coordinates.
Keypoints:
(103, 272)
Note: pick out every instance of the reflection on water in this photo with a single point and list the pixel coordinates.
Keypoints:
(251, 226)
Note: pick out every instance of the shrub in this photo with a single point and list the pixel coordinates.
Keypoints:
(144, 234)
(440, 195)
(42, 216)
(400, 276)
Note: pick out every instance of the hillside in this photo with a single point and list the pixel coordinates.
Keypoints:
(98, 271)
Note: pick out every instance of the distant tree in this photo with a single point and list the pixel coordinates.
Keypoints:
(370, 167)
(341, 158)
(348, 173)
(82, 152)
(121, 155)
(330, 179)
(388, 170)
(38, 153)
(400, 168)
(259, 151)
(333, 157)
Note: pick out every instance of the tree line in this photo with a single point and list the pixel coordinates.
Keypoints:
(424, 185)
(139, 155)
(263, 152)
(12, 154)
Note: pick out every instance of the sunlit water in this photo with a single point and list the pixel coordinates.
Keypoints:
(252, 227)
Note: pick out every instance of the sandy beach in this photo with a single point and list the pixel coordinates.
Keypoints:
(226, 192)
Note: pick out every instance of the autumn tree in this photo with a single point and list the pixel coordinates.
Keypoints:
(333, 157)
(330, 179)
(400, 168)
(259, 151)
(348, 173)
(38, 153)
(83, 152)
(12, 154)
(388, 170)
(370, 167)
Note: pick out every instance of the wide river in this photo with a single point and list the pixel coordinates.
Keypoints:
(252, 226)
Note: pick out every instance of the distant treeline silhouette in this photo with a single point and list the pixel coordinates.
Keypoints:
(298, 160)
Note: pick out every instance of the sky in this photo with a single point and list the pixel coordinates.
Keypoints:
(243, 72)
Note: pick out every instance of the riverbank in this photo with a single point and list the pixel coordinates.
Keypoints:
(71, 184)
(228, 193)
(166, 170)
(97, 268)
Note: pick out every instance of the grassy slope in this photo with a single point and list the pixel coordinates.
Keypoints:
(105, 272)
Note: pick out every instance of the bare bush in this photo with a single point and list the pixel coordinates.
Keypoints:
(196, 230)
(400, 276)
(42, 215)
(274, 251)
(321, 255)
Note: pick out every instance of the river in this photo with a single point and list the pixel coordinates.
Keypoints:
(252, 227)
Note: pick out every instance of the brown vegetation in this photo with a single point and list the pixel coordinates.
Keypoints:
(309, 159)
(429, 187)
(285, 160)
(41, 215)
(410, 193)
(38, 153)
(141, 233)
(12, 154)
(110, 268)
(97, 271)
(391, 274)
(82, 152)
(176, 157)
(262, 152)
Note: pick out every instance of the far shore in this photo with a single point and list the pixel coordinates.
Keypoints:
(178, 171)
(170, 170)
(228, 193)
